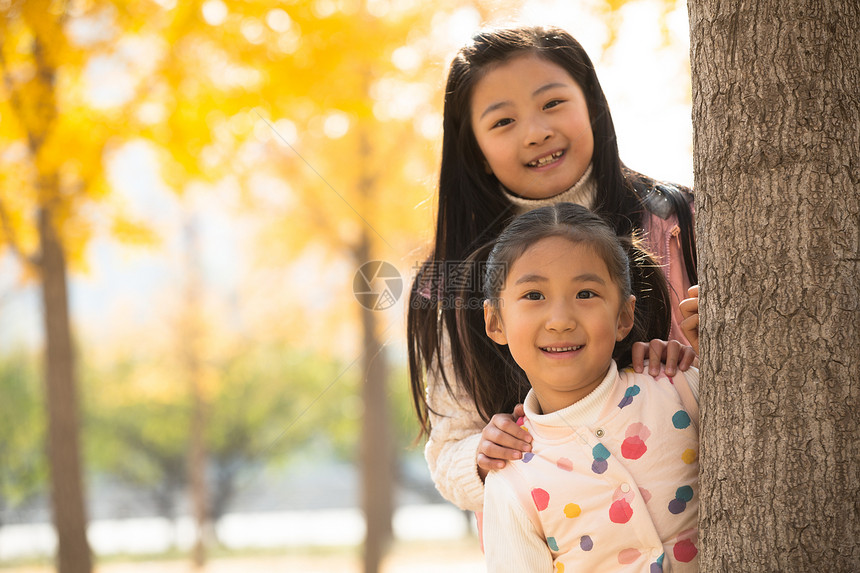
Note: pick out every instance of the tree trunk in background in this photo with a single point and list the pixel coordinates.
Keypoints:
(776, 110)
(191, 349)
(69, 509)
(377, 449)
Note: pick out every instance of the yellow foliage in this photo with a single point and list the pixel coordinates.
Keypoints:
(132, 232)
(54, 139)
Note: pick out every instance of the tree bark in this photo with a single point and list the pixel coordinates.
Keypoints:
(70, 520)
(776, 110)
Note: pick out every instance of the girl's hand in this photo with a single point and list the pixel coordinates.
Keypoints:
(501, 440)
(690, 311)
(672, 353)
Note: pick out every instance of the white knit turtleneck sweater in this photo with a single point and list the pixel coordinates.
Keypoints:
(582, 193)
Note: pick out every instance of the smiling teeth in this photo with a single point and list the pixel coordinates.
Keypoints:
(563, 349)
(544, 160)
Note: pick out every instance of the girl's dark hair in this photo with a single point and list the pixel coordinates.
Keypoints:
(486, 366)
(471, 208)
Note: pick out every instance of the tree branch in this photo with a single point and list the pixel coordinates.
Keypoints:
(12, 239)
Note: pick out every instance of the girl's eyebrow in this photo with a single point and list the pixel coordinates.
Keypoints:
(585, 277)
(546, 87)
(531, 278)
(494, 107)
(589, 277)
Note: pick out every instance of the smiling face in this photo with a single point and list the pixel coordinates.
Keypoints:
(531, 122)
(560, 313)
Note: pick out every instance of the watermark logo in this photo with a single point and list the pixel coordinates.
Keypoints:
(456, 285)
(377, 285)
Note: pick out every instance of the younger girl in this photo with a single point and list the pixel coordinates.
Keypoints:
(525, 124)
(611, 483)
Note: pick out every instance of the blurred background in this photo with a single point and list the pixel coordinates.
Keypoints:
(190, 335)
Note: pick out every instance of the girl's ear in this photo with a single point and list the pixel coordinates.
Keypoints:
(493, 324)
(625, 318)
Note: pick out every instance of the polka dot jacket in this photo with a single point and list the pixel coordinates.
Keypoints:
(618, 494)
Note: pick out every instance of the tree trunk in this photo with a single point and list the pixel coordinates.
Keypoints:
(67, 495)
(191, 347)
(776, 110)
(377, 451)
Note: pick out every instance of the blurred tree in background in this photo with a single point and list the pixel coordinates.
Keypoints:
(44, 192)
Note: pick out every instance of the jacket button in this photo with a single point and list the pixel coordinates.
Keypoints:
(625, 487)
(599, 432)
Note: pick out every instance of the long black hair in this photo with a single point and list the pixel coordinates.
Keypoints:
(471, 208)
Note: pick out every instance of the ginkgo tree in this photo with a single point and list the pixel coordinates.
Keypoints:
(51, 171)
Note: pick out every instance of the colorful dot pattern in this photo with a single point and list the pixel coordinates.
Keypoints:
(564, 464)
(633, 447)
(628, 556)
(628, 396)
(681, 419)
(585, 543)
(601, 454)
(541, 498)
(689, 456)
(628, 497)
(572, 510)
(685, 551)
(683, 495)
(621, 509)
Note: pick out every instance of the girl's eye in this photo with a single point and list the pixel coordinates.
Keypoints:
(534, 295)
(502, 122)
(586, 294)
(553, 103)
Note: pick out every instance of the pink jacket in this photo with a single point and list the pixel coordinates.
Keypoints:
(662, 238)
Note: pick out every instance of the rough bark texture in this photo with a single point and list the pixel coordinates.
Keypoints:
(73, 551)
(776, 114)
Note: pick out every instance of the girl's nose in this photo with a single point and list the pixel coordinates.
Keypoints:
(561, 318)
(537, 133)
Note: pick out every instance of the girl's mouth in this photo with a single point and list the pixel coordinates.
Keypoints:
(558, 349)
(546, 160)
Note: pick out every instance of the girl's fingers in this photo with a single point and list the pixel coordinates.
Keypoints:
(509, 432)
(519, 411)
(503, 439)
(689, 307)
(688, 356)
(690, 328)
(486, 464)
(655, 355)
(640, 349)
(673, 350)
(496, 453)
